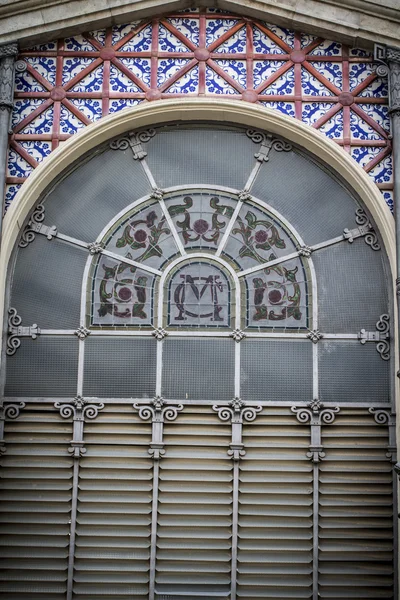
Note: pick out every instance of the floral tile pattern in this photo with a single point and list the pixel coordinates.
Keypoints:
(73, 82)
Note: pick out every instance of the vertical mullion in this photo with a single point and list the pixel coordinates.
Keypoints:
(72, 533)
(235, 527)
(315, 529)
(153, 538)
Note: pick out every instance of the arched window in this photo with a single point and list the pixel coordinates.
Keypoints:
(187, 291)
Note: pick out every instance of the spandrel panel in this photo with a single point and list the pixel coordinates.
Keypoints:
(198, 369)
(46, 366)
(47, 284)
(352, 372)
(120, 367)
(201, 156)
(84, 202)
(274, 370)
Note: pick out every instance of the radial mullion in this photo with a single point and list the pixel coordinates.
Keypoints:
(172, 227)
(229, 228)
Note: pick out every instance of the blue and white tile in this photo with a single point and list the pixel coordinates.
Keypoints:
(11, 192)
(236, 69)
(389, 199)
(78, 43)
(50, 47)
(168, 67)
(89, 107)
(69, 123)
(187, 84)
(218, 27)
(287, 108)
(99, 35)
(286, 35)
(189, 27)
(361, 130)
(92, 82)
(334, 127)
(116, 105)
(37, 149)
(263, 44)
(235, 44)
(215, 84)
(42, 123)
(331, 71)
(313, 111)
(376, 89)
(363, 154)
(17, 166)
(283, 85)
(307, 39)
(311, 86)
(23, 107)
(118, 32)
(327, 48)
(140, 67)
(358, 72)
(168, 42)
(73, 65)
(141, 42)
(383, 171)
(263, 69)
(379, 113)
(359, 53)
(44, 65)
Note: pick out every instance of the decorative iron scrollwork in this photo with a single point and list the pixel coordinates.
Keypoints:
(238, 335)
(159, 333)
(79, 408)
(134, 140)
(315, 413)
(267, 142)
(371, 238)
(158, 411)
(381, 336)
(16, 331)
(35, 225)
(82, 332)
(315, 335)
(237, 411)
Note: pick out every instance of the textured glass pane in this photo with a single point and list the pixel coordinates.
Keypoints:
(47, 284)
(203, 156)
(201, 217)
(144, 236)
(198, 369)
(86, 200)
(351, 287)
(119, 295)
(199, 296)
(352, 372)
(313, 202)
(120, 367)
(276, 370)
(46, 366)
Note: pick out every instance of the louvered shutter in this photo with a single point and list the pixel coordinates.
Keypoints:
(114, 509)
(36, 505)
(195, 509)
(356, 510)
(275, 509)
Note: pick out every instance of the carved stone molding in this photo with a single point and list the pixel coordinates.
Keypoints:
(7, 58)
(134, 140)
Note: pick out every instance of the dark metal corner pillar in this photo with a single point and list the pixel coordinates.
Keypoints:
(388, 60)
(7, 73)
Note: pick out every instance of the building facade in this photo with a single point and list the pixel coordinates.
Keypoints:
(199, 300)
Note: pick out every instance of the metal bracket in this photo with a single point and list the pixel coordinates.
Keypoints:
(16, 331)
(315, 414)
(159, 333)
(158, 412)
(365, 230)
(238, 335)
(384, 417)
(78, 409)
(381, 336)
(315, 335)
(236, 412)
(35, 225)
(82, 332)
(134, 140)
(8, 411)
(267, 142)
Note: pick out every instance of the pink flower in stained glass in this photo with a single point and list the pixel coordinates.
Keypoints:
(140, 235)
(275, 296)
(200, 226)
(125, 294)
(261, 236)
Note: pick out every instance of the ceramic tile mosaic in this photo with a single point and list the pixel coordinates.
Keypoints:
(75, 81)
